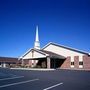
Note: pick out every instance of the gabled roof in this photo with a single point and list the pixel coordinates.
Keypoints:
(53, 55)
(46, 53)
(69, 48)
(24, 54)
(37, 50)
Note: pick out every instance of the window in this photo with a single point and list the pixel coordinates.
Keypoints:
(72, 63)
(81, 63)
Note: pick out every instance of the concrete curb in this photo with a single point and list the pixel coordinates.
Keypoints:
(34, 69)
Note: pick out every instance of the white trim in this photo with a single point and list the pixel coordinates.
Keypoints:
(72, 66)
(80, 66)
(80, 58)
(72, 58)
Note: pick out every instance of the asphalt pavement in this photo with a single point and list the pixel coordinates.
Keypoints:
(44, 80)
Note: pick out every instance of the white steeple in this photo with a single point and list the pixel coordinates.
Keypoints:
(37, 43)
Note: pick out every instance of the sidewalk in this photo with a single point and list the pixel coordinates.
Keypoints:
(37, 69)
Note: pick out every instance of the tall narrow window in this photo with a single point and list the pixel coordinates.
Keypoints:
(72, 62)
(80, 61)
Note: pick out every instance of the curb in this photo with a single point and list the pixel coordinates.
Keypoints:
(33, 69)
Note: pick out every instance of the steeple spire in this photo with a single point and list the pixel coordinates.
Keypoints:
(37, 43)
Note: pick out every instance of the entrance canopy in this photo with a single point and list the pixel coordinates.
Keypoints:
(52, 60)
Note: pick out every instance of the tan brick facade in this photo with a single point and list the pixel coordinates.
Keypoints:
(76, 62)
(86, 62)
(66, 64)
(8, 62)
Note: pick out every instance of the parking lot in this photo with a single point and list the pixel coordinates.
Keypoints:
(44, 80)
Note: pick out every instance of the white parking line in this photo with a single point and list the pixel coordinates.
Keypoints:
(18, 83)
(11, 78)
(53, 86)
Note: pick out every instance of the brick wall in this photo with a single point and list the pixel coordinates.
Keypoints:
(76, 62)
(66, 63)
(8, 60)
(86, 62)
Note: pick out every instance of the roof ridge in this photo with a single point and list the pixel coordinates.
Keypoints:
(74, 49)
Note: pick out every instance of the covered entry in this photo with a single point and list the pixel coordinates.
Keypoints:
(43, 59)
(56, 62)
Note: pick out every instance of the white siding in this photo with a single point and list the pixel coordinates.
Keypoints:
(72, 59)
(28, 55)
(62, 51)
(80, 58)
(38, 55)
(72, 66)
(35, 55)
(80, 66)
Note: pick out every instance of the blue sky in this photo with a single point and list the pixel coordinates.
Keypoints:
(66, 22)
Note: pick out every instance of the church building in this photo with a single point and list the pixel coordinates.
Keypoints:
(55, 56)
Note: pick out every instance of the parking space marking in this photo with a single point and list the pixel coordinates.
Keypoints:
(18, 83)
(11, 78)
(53, 86)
